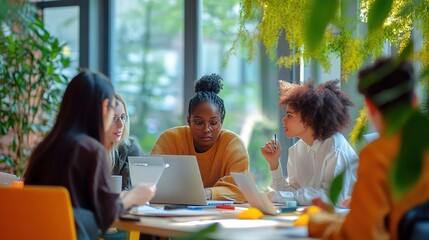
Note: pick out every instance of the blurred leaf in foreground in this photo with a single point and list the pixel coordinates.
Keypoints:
(321, 14)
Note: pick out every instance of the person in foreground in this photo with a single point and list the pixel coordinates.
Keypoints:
(315, 115)
(74, 155)
(120, 145)
(375, 209)
(219, 152)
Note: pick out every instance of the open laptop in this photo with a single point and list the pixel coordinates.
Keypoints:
(146, 169)
(250, 190)
(181, 182)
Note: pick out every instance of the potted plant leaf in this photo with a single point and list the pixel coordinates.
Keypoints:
(31, 84)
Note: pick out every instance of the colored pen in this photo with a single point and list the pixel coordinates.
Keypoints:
(211, 206)
(200, 207)
(275, 140)
(230, 207)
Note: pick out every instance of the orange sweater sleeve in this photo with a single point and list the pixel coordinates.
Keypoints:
(231, 156)
(371, 204)
(174, 141)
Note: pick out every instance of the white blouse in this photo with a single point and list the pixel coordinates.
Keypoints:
(311, 170)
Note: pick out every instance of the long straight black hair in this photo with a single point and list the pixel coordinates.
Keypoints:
(80, 113)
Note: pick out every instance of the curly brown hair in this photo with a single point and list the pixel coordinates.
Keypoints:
(323, 108)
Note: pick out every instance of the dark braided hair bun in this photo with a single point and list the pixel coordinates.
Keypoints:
(209, 83)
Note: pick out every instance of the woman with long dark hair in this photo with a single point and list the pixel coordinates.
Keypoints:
(74, 155)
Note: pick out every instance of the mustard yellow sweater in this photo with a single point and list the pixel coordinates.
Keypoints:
(374, 213)
(227, 155)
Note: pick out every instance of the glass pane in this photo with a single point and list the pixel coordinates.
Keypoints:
(147, 67)
(242, 92)
(63, 22)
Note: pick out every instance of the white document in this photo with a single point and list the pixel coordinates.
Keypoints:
(158, 212)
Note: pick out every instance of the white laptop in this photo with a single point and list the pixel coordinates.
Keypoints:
(146, 169)
(250, 190)
(181, 182)
(6, 179)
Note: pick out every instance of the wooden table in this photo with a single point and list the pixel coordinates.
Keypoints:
(231, 228)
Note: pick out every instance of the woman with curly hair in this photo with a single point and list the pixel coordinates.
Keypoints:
(316, 115)
(218, 151)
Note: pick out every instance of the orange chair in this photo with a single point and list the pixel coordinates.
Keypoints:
(36, 212)
(133, 235)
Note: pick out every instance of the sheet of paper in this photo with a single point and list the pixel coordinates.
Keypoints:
(158, 212)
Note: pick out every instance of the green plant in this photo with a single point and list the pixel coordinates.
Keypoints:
(31, 84)
(314, 29)
(203, 234)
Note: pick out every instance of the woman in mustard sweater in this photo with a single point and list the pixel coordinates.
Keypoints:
(219, 152)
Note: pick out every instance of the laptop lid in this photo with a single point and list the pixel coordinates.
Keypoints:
(181, 182)
(250, 190)
(146, 169)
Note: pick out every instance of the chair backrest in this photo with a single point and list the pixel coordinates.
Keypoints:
(414, 225)
(36, 212)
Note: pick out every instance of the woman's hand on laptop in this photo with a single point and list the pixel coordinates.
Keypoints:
(139, 195)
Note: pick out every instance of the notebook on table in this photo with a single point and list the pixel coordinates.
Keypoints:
(250, 191)
(181, 182)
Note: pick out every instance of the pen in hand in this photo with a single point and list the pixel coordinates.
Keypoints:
(275, 141)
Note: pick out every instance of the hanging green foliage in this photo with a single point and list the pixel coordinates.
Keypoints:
(314, 29)
(360, 127)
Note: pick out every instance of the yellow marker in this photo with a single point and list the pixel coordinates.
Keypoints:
(251, 213)
(304, 219)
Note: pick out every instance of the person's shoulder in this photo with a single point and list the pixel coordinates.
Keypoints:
(380, 152)
(384, 143)
(298, 145)
(87, 142)
(176, 130)
(88, 146)
(228, 135)
(337, 141)
(132, 141)
(132, 146)
(127, 144)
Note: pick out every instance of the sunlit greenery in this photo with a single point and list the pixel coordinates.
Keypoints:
(314, 29)
(337, 36)
(32, 82)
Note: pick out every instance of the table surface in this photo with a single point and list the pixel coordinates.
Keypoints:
(270, 227)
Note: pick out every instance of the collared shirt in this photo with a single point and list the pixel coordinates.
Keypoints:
(311, 169)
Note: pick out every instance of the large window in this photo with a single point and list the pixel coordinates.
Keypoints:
(140, 45)
(147, 64)
(63, 22)
(242, 91)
